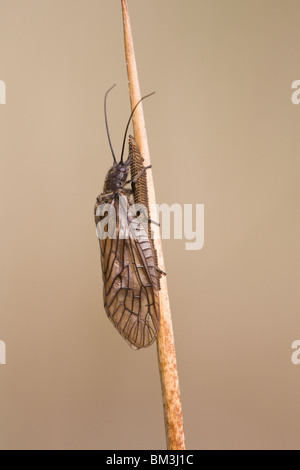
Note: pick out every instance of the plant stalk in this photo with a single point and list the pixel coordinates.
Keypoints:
(165, 340)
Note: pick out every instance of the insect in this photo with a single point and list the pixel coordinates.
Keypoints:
(130, 273)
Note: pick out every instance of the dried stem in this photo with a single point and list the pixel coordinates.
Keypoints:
(165, 341)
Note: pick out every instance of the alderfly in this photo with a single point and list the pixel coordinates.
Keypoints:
(130, 273)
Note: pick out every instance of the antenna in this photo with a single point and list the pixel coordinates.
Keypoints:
(126, 130)
(106, 124)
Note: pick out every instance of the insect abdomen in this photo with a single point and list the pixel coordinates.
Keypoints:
(140, 190)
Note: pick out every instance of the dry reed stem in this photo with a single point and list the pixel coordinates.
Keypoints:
(165, 340)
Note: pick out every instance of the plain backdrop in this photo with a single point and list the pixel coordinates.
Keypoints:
(222, 132)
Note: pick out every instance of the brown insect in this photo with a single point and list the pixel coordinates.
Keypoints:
(128, 258)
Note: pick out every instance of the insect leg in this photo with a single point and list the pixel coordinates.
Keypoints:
(140, 173)
(160, 271)
(154, 222)
(107, 195)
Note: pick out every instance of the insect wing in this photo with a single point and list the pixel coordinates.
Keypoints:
(130, 284)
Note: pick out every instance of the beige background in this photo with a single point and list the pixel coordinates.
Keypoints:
(222, 131)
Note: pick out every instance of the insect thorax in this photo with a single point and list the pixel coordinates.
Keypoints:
(116, 178)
